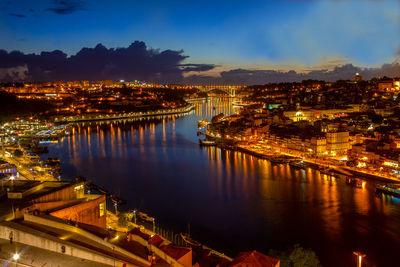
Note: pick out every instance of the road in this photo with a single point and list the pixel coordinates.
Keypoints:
(25, 172)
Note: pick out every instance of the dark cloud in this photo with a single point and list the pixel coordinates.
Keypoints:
(249, 77)
(63, 7)
(17, 15)
(136, 62)
(197, 67)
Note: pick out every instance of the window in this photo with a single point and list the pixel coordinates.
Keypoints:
(102, 208)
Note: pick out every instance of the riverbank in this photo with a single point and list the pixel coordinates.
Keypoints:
(228, 198)
(342, 170)
(102, 117)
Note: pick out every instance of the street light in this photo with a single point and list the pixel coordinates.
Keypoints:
(16, 256)
(134, 214)
(360, 256)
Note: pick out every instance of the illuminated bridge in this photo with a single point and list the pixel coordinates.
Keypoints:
(229, 89)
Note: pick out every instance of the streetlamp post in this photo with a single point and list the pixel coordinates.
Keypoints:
(116, 208)
(360, 256)
(15, 258)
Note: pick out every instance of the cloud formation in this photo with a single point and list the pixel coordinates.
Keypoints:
(63, 7)
(138, 62)
(14, 73)
(135, 62)
(251, 77)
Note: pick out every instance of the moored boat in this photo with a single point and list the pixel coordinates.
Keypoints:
(277, 160)
(189, 240)
(355, 182)
(393, 189)
(144, 217)
(327, 171)
(204, 142)
(298, 164)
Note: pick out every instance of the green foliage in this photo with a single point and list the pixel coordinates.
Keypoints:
(12, 107)
(296, 256)
(124, 218)
(18, 153)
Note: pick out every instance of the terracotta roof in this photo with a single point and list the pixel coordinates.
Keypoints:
(156, 240)
(175, 252)
(136, 231)
(254, 259)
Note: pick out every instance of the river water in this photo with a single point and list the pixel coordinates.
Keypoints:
(233, 202)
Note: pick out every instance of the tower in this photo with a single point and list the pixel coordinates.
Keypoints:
(357, 77)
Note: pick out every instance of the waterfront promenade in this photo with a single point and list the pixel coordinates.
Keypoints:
(98, 117)
(342, 169)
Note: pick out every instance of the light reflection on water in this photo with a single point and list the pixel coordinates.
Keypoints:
(233, 201)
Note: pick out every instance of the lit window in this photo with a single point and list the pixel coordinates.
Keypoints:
(102, 208)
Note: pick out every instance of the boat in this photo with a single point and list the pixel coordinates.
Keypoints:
(186, 237)
(392, 189)
(355, 182)
(189, 240)
(204, 142)
(327, 171)
(298, 164)
(277, 160)
(144, 217)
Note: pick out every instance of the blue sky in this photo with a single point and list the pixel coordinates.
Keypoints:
(287, 34)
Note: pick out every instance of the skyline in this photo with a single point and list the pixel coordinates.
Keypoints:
(216, 40)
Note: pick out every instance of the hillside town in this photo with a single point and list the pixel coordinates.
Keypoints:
(351, 125)
(346, 127)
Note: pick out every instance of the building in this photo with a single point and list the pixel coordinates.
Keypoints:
(357, 77)
(318, 145)
(254, 259)
(300, 115)
(7, 168)
(337, 143)
(389, 85)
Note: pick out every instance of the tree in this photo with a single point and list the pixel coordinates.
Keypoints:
(296, 256)
(124, 218)
(18, 153)
(301, 257)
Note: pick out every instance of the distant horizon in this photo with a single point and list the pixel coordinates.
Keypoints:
(137, 62)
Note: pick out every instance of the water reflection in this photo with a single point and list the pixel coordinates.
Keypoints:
(230, 197)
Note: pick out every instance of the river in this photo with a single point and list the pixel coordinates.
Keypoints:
(233, 202)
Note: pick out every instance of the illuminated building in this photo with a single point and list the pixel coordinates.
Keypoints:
(337, 143)
(357, 77)
(299, 115)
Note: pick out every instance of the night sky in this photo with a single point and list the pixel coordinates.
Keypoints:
(199, 41)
